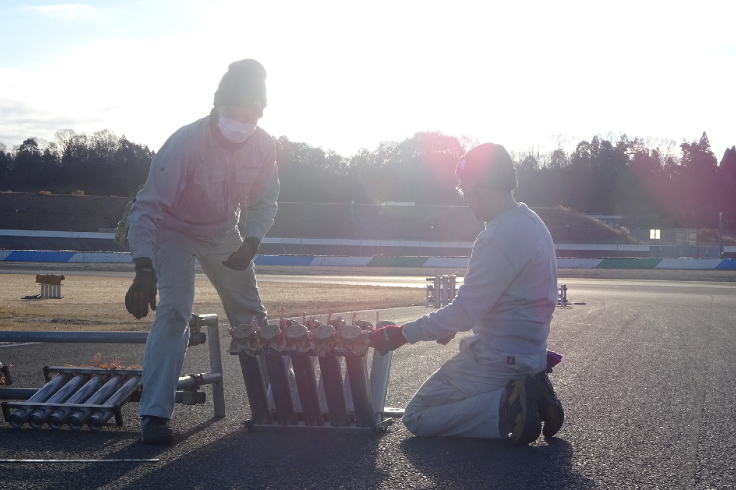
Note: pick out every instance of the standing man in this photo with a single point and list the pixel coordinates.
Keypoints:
(212, 180)
(495, 387)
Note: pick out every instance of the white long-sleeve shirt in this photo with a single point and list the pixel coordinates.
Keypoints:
(199, 183)
(509, 294)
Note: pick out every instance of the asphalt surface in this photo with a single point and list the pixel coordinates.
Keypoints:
(647, 383)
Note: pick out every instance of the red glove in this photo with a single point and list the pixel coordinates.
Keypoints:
(387, 338)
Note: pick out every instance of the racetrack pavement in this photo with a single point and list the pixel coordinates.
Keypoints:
(647, 383)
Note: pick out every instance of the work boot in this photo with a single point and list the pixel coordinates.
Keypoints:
(518, 412)
(550, 407)
(156, 430)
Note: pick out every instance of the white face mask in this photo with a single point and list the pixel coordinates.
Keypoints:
(235, 131)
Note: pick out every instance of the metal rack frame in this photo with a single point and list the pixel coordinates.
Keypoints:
(76, 396)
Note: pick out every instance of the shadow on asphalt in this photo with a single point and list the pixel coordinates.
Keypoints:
(453, 462)
(264, 459)
(114, 444)
(317, 459)
(63, 444)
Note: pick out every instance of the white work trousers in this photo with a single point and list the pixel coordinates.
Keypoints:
(174, 255)
(462, 398)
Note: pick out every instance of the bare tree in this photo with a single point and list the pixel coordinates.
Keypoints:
(64, 139)
(468, 142)
(104, 144)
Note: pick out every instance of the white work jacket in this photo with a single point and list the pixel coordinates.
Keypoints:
(199, 183)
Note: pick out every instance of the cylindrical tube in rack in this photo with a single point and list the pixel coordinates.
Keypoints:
(19, 417)
(323, 337)
(80, 416)
(360, 391)
(60, 416)
(99, 417)
(297, 337)
(272, 337)
(38, 418)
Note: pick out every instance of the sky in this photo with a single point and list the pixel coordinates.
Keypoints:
(349, 75)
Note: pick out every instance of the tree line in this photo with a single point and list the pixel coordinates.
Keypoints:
(650, 185)
(98, 164)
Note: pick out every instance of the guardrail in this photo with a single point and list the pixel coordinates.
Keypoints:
(47, 246)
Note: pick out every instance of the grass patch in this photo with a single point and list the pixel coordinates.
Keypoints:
(97, 303)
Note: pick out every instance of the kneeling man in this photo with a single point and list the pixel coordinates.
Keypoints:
(496, 386)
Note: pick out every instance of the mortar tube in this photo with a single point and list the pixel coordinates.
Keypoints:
(380, 368)
(360, 391)
(60, 416)
(20, 416)
(79, 417)
(38, 418)
(99, 417)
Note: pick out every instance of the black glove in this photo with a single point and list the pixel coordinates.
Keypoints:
(241, 258)
(387, 338)
(142, 292)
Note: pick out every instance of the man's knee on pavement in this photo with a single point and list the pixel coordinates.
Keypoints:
(412, 421)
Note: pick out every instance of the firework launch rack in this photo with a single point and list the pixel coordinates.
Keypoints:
(92, 395)
(285, 392)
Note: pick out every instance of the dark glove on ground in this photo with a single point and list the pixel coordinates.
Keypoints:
(387, 338)
(142, 292)
(241, 258)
